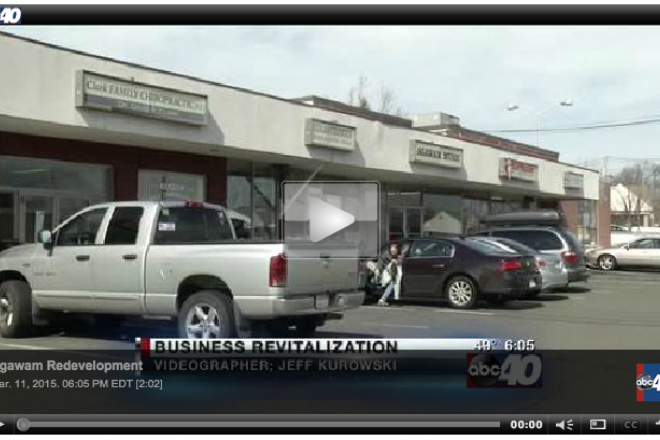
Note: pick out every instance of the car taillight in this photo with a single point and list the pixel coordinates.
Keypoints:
(194, 204)
(508, 265)
(570, 258)
(541, 263)
(277, 276)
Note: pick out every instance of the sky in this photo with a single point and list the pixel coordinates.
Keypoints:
(473, 72)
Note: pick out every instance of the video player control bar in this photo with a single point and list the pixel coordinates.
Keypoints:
(567, 424)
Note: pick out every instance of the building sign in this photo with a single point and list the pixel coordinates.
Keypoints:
(118, 95)
(436, 155)
(573, 180)
(330, 135)
(513, 169)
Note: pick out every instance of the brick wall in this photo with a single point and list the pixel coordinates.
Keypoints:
(570, 208)
(125, 161)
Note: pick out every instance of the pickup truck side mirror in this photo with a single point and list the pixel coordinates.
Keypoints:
(626, 247)
(45, 237)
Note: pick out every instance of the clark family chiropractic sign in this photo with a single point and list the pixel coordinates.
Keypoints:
(436, 155)
(118, 95)
(330, 135)
(513, 169)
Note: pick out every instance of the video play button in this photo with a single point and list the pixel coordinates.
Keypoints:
(313, 211)
(326, 219)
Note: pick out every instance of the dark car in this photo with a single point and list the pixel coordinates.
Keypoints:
(544, 231)
(461, 271)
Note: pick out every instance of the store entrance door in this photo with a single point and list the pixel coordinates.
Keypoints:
(37, 212)
(405, 222)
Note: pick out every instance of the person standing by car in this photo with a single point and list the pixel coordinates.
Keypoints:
(392, 269)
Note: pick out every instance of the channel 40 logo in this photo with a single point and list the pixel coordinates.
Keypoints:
(10, 15)
(648, 382)
(503, 370)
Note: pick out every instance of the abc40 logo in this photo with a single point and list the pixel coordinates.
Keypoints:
(489, 370)
(646, 382)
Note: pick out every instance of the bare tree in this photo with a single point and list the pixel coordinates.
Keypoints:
(636, 191)
(387, 99)
(359, 96)
(362, 91)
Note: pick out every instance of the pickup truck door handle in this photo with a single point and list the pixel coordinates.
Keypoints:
(438, 266)
(82, 257)
(129, 257)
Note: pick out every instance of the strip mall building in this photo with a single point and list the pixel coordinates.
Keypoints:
(77, 129)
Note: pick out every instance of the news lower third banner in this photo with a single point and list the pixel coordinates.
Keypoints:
(336, 376)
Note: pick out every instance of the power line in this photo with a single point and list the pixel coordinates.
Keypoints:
(591, 126)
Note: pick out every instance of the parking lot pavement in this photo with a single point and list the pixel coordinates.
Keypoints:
(617, 310)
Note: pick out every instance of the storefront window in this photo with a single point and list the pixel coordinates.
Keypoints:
(8, 233)
(39, 194)
(163, 185)
(442, 214)
(252, 199)
(53, 175)
(474, 210)
(239, 197)
(264, 219)
(502, 206)
(404, 214)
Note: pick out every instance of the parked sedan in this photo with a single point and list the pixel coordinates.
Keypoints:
(553, 271)
(643, 252)
(461, 271)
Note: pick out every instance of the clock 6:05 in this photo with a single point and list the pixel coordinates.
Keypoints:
(519, 345)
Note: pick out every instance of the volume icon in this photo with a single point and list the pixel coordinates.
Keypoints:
(565, 425)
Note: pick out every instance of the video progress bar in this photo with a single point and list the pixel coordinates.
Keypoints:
(270, 424)
(212, 423)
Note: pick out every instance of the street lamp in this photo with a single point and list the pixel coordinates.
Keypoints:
(539, 114)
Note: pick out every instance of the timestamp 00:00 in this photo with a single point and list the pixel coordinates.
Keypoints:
(91, 383)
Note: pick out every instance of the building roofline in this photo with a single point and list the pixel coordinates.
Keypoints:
(294, 101)
(579, 167)
(142, 66)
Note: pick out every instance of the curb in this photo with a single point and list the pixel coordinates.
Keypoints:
(627, 273)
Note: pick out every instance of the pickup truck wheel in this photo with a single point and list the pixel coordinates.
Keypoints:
(207, 315)
(15, 309)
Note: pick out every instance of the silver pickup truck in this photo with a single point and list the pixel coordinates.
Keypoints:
(177, 259)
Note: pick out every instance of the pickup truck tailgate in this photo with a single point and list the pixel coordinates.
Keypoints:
(322, 275)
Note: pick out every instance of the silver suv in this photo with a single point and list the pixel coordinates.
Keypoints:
(543, 231)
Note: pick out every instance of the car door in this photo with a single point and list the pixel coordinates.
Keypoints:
(426, 267)
(62, 275)
(653, 255)
(118, 264)
(636, 253)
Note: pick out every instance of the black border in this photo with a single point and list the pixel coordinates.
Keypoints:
(337, 14)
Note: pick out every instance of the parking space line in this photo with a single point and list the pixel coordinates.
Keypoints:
(378, 324)
(464, 312)
(395, 308)
(23, 347)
